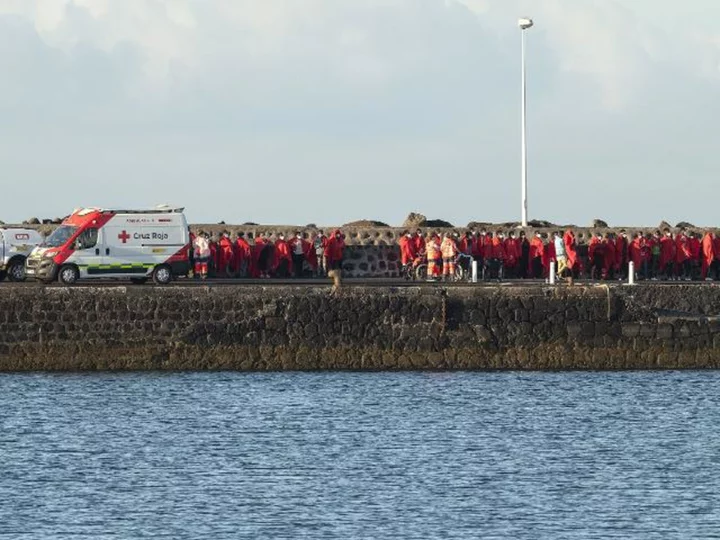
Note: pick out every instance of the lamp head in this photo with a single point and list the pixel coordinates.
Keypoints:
(524, 24)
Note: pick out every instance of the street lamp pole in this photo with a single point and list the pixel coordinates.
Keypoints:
(524, 24)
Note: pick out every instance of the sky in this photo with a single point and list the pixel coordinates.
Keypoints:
(329, 111)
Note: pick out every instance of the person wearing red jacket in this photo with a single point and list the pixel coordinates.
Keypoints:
(537, 251)
(496, 260)
(283, 263)
(242, 255)
(709, 257)
(667, 254)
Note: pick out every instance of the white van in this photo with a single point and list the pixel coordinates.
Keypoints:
(15, 246)
(115, 244)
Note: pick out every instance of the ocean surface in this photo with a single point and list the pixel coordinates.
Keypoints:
(360, 456)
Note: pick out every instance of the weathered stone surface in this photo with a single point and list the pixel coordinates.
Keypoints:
(282, 328)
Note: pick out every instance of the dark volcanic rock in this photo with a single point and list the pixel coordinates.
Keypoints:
(599, 224)
(685, 225)
(367, 223)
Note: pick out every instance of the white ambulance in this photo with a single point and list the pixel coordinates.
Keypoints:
(15, 246)
(115, 244)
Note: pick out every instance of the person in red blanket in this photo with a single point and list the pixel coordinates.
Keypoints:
(225, 255)
(571, 251)
(334, 250)
(682, 256)
(621, 255)
(667, 255)
(283, 263)
(709, 257)
(214, 261)
(549, 257)
(513, 254)
(242, 255)
(695, 255)
(596, 254)
(635, 254)
(261, 256)
(537, 251)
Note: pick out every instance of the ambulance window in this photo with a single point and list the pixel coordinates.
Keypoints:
(87, 239)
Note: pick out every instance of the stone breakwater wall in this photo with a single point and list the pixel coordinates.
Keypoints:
(361, 328)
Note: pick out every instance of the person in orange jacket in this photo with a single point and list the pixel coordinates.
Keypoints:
(537, 251)
(434, 256)
(709, 262)
(667, 255)
(449, 251)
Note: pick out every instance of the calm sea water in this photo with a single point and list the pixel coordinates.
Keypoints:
(351, 456)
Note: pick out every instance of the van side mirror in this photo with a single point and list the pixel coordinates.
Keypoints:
(77, 245)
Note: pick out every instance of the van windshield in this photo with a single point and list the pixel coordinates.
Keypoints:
(60, 236)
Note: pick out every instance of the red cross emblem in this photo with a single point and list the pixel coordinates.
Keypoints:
(124, 236)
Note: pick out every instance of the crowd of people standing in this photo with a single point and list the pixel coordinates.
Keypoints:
(259, 256)
(658, 255)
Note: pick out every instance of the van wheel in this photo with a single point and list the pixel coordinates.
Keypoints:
(138, 280)
(68, 274)
(16, 271)
(162, 275)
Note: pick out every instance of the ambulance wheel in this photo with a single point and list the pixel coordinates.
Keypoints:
(16, 271)
(162, 275)
(68, 274)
